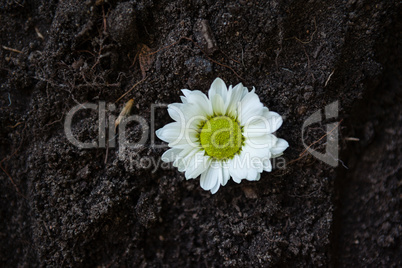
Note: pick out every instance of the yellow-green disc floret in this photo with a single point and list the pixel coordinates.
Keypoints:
(221, 137)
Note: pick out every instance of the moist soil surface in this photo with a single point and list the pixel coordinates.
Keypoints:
(66, 206)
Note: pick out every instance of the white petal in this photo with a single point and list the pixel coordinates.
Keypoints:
(183, 99)
(193, 115)
(234, 98)
(267, 165)
(175, 112)
(274, 121)
(218, 105)
(210, 177)
(250, 108)
(252, 174)
(279, 147)
(199, 99)
(256, 128)
(170, 132)
(228, 96)
(192, 118)
(206, 180)
(187, 139)
(246, 91)
(250, 152)
(185, 152)
(197, 165)
(235, 177)
(255, 158)
(170, 155)
(268, 122)
(215, 188)
(225, 175)
(261, 142)
(184, 158)
(237, 167)
(218, 87)
(181, 166)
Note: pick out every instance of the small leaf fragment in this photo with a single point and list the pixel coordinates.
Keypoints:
(124, 112)
(146, 59)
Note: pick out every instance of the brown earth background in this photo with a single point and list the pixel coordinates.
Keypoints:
(70, 207)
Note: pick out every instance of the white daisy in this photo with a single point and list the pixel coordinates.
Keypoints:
(227, 134)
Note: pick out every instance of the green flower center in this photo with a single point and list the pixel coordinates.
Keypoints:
(221, 137)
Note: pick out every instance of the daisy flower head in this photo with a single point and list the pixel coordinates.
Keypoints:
(225, 134)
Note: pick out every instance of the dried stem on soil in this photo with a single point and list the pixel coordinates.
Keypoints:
(135, 85)
(302, 154)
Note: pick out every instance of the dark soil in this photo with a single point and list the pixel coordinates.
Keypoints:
(65, 206)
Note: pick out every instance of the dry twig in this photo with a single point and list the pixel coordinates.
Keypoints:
(302, 154)
(128, 91)
(11, 49)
